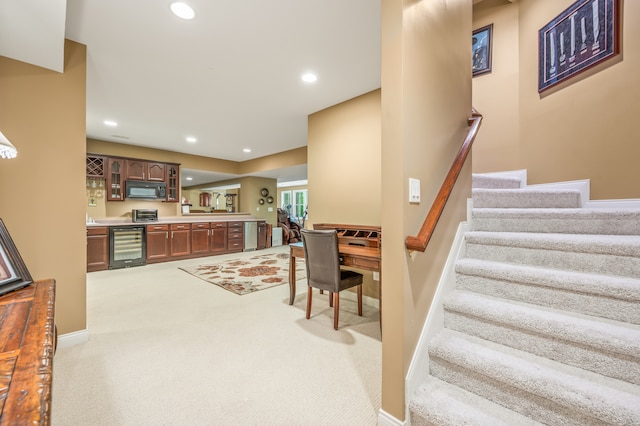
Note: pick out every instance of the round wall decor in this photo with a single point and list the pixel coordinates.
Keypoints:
(264, 192)
(269, 200)
(261, 201)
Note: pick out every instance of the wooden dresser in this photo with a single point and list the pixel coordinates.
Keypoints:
(27, 341)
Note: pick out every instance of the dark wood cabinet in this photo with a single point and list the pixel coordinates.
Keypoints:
(262, 234)
(97, 248)
(218, 239)
(158, 243)
(115, 179)
(173, 182)
(145, 170)
(235, 234)
(180, 239)
(96, 166)
(200, 238)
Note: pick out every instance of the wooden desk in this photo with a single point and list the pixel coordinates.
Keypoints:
(27, 341)
(359, 257)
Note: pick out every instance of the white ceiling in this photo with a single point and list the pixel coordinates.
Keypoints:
(231, 77)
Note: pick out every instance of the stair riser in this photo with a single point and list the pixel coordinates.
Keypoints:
(552, 347)
(556, 226)
(601, 306)
(554, 259)
(533, 406)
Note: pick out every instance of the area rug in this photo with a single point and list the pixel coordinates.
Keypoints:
(249, 275)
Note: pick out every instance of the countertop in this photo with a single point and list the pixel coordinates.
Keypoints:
(187, 218)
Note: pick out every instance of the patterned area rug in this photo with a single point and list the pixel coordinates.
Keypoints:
(254, 273)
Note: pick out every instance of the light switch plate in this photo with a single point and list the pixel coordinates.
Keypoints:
(414, 190)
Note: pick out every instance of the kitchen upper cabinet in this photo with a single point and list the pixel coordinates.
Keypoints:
(96, 166)
(173, 182)
(115, 179)
(145, 170)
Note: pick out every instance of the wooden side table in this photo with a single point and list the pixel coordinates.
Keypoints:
(27, 345)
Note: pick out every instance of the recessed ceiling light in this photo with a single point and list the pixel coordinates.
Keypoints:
(110, 123)
(191, 139)
(246, 150)
(309, 77)
(189, 178)
(182, 10)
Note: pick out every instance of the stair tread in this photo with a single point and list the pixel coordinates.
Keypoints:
(608, 399)
(623, 245)
(620, 287)
(445, 404)
(600, 333)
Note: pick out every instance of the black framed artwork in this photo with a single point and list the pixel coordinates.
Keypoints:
(582, 36)
(13, 271)
(481, 42)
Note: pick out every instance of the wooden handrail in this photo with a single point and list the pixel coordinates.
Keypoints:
(420, 241)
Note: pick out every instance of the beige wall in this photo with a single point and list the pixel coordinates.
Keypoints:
(584, 130)
(43, 113)
(344, 167)
(495, 95)
(426, 100)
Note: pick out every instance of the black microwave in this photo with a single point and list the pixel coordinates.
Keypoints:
(142, 190)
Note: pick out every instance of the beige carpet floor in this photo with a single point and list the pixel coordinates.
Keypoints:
(167, 348)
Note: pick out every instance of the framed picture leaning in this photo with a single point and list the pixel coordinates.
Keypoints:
(13, 271)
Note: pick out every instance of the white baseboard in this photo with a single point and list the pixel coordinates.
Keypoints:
(631, 203)
(73, 338)
(386, 419)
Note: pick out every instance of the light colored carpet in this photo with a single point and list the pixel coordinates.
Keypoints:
(247, 274)
(167, 348)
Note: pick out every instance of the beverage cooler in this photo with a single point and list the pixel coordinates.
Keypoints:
(127, 247)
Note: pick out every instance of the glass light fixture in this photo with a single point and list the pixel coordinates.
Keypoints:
(7, 150)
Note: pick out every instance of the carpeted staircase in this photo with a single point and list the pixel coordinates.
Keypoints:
(543, 326)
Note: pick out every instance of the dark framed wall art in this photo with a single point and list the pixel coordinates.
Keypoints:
(585, 34)
(481, 50)
(13, 271)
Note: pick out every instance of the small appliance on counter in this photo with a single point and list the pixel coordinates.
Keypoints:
(144, 215)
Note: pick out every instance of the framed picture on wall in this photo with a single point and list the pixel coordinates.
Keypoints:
(582, 36)
(481, 50)
(13, 271)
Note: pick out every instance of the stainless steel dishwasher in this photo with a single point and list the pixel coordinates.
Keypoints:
(250, 236)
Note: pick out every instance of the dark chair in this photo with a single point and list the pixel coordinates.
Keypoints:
(323, 269)
(290, 229)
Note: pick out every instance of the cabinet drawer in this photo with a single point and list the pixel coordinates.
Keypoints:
(219, 225)
(152, 228)
(180, 226)
(236, 225)
(235, 235)
(199, 226)
(356, 262)
(235, 244)
(97, 230)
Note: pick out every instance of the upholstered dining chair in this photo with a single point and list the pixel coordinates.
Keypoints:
(322, 261)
